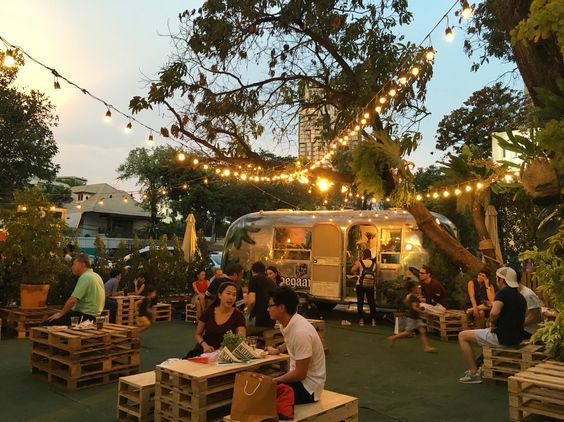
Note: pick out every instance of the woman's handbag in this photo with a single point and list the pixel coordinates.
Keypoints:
(254, 398)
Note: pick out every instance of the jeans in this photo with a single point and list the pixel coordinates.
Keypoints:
(111, 305)
(360, 292)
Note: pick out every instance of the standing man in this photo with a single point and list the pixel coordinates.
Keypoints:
(307, 359)
(111, 288)
(506, 319)
(256, 311)
(234, 274)
(432, 290)
(87, 299)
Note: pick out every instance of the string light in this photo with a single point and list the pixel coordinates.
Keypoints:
(430, 54)
(479, 185)
(181, 156)
(108, 116)
(56, 84)
(467, 11)
(128, 127)
(9, 60)
(468, 188)
(150, 139)
(415, 70)
(402, 79)
(449, 34)
(457, 191)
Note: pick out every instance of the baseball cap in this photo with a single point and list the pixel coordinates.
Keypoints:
(509, 275)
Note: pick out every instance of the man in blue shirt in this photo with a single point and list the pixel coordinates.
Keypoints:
(111, 288)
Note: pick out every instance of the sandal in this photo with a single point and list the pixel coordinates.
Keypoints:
(361, 323)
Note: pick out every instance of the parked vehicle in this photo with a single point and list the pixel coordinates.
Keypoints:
(315, 250)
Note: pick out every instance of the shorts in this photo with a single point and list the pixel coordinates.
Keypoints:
(412, 324)
(143, 321)
(485, 337)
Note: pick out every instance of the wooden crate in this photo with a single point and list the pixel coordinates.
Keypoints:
(136, 397)
(538, 390)
(163, 312)
(82, 358)
(447, 324)
(191, 313)
(22, 321)
(331, 407)
(273, 337)
(177, 303)
(191, 391)
(502, 362)
(127, 309)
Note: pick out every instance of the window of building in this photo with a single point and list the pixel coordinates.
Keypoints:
(80, 197)
(292, 243)
(390, 246)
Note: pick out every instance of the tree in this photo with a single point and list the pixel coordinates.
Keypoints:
(491, 109)
(27, 145)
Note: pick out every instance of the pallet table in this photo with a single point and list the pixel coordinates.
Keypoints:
(127, 308)
(538, 390)
(136, 397)
(447, 324)
(77, 359)
(21, 320)
(189, 391)
(333, 407)
(273, 337)
(502, 362)
(163, 312)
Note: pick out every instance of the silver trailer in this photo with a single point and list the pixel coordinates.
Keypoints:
(315, 250)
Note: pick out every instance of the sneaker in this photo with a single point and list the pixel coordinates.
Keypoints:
(470, 378)
(374, 323)
(481, 371)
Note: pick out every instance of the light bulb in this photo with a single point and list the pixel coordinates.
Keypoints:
(362, 121)
(467, 11)
(430, 54)
(468, 188)
(382, 100)
(56, 85)
(449, 35)
(9, 60)
(366, 115)
(128, 127)
(392, 92)
(150, 140)
(419, 197)
(457, 191)
(378, 109)
(446, 194)
(195, 161)
(415, 71)
(108, 115)
(435, 195)
(479, 185)
(181, 156)
(402, 79)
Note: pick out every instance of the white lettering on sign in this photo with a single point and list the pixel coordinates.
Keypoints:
(296, 282)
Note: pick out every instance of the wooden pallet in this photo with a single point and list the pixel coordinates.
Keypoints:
(191, 313)
(502, 362)
(186, 390)
(82, 358)
(127, 309)
(447, 324)
(136, 397)
(331, 407)
(177, 303)
(22, 321)
(538, 390)
(163, 312)
(273, 337)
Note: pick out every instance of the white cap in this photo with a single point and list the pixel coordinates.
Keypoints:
(509, 275)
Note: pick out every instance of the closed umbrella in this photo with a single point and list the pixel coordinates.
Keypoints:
(491, 226)
(189, 241)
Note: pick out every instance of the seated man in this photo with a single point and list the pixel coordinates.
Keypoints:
(480, 297)
(111, 288)
(87, 299)
(533, 316)
(506, 318)
(307, 359)
(432, 290)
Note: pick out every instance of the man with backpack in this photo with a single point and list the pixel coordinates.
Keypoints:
(365, 285)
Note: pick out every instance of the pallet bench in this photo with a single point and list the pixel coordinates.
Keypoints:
(77, 359)
(163, 312)
(126, 310)
(502, 362)
(136, 397)
(273, 337)
(21, 320)
(198, 392)
(538, 390)
(333, 407)
(447, 324)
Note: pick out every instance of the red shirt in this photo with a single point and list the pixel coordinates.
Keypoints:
(201, 286)
(434, 293)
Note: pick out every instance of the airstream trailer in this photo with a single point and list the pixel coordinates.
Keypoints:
(315, 250)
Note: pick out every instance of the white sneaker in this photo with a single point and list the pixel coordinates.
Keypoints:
(470, 378)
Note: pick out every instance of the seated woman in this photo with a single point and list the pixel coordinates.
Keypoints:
(219, 318)
(480, 298)
(274, 275)
(200, 285)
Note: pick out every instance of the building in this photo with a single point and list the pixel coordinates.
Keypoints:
(500, 154)
(310, 145)
(104, 210)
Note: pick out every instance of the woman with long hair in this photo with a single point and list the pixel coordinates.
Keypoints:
(200, 285)
(274, 275)
(219, 318)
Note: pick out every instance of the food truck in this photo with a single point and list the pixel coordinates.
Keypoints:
(315, 250)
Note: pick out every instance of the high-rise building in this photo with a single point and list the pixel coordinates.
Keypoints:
(310, 145)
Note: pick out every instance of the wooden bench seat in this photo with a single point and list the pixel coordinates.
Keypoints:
(332, 407)
(136, 397)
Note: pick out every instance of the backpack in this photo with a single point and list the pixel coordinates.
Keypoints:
(367, 276)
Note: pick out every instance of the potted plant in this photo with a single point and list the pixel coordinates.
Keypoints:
(32, 253)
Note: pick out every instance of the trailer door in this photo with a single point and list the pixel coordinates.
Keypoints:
(326, 261)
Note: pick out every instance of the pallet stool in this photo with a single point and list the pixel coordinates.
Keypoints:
(191, 313)
(502, 362)
(136, 397)
(448, 323)
(163, 312)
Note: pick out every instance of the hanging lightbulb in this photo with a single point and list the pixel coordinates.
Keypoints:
(392, 92)
(185, 186)
(150, 139)
(468, 188)
(9, 60)
(128, 127)
(378, 109)
(357, 128)
(430, 54)
(449, 34)
(108, 116)
(366, 115)
(435, 195)
(195, 161)
(446, 194)
(419, 197)
(415, 70)
(181, 156)
(479, 185)
(402, 79)
(382, 100)
(508, 178)
(467, 11)
(457, 191)
(56, 85)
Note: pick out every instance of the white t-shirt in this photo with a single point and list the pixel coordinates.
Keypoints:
(533, 302)
(302, 342)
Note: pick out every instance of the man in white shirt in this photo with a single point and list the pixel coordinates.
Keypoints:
(301, 341)
(533, 316)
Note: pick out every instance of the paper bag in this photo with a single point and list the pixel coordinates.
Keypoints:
(254, 398)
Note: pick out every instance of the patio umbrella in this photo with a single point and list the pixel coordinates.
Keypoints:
(189, 241)
(491, 226)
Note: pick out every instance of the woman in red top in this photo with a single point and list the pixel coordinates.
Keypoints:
(200, 285)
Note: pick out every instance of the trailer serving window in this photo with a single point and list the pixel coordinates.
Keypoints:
(292, 243)
(390, 245)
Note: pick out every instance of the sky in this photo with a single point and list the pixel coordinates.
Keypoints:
(112, 47)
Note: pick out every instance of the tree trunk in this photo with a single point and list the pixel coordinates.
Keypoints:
(443, 240)
(486, 245)
(540, 63)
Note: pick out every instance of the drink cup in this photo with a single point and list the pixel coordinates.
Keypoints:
(74, 321)
(252, 341)
(100, 322)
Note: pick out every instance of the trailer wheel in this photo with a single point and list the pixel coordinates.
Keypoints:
(325, 306)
